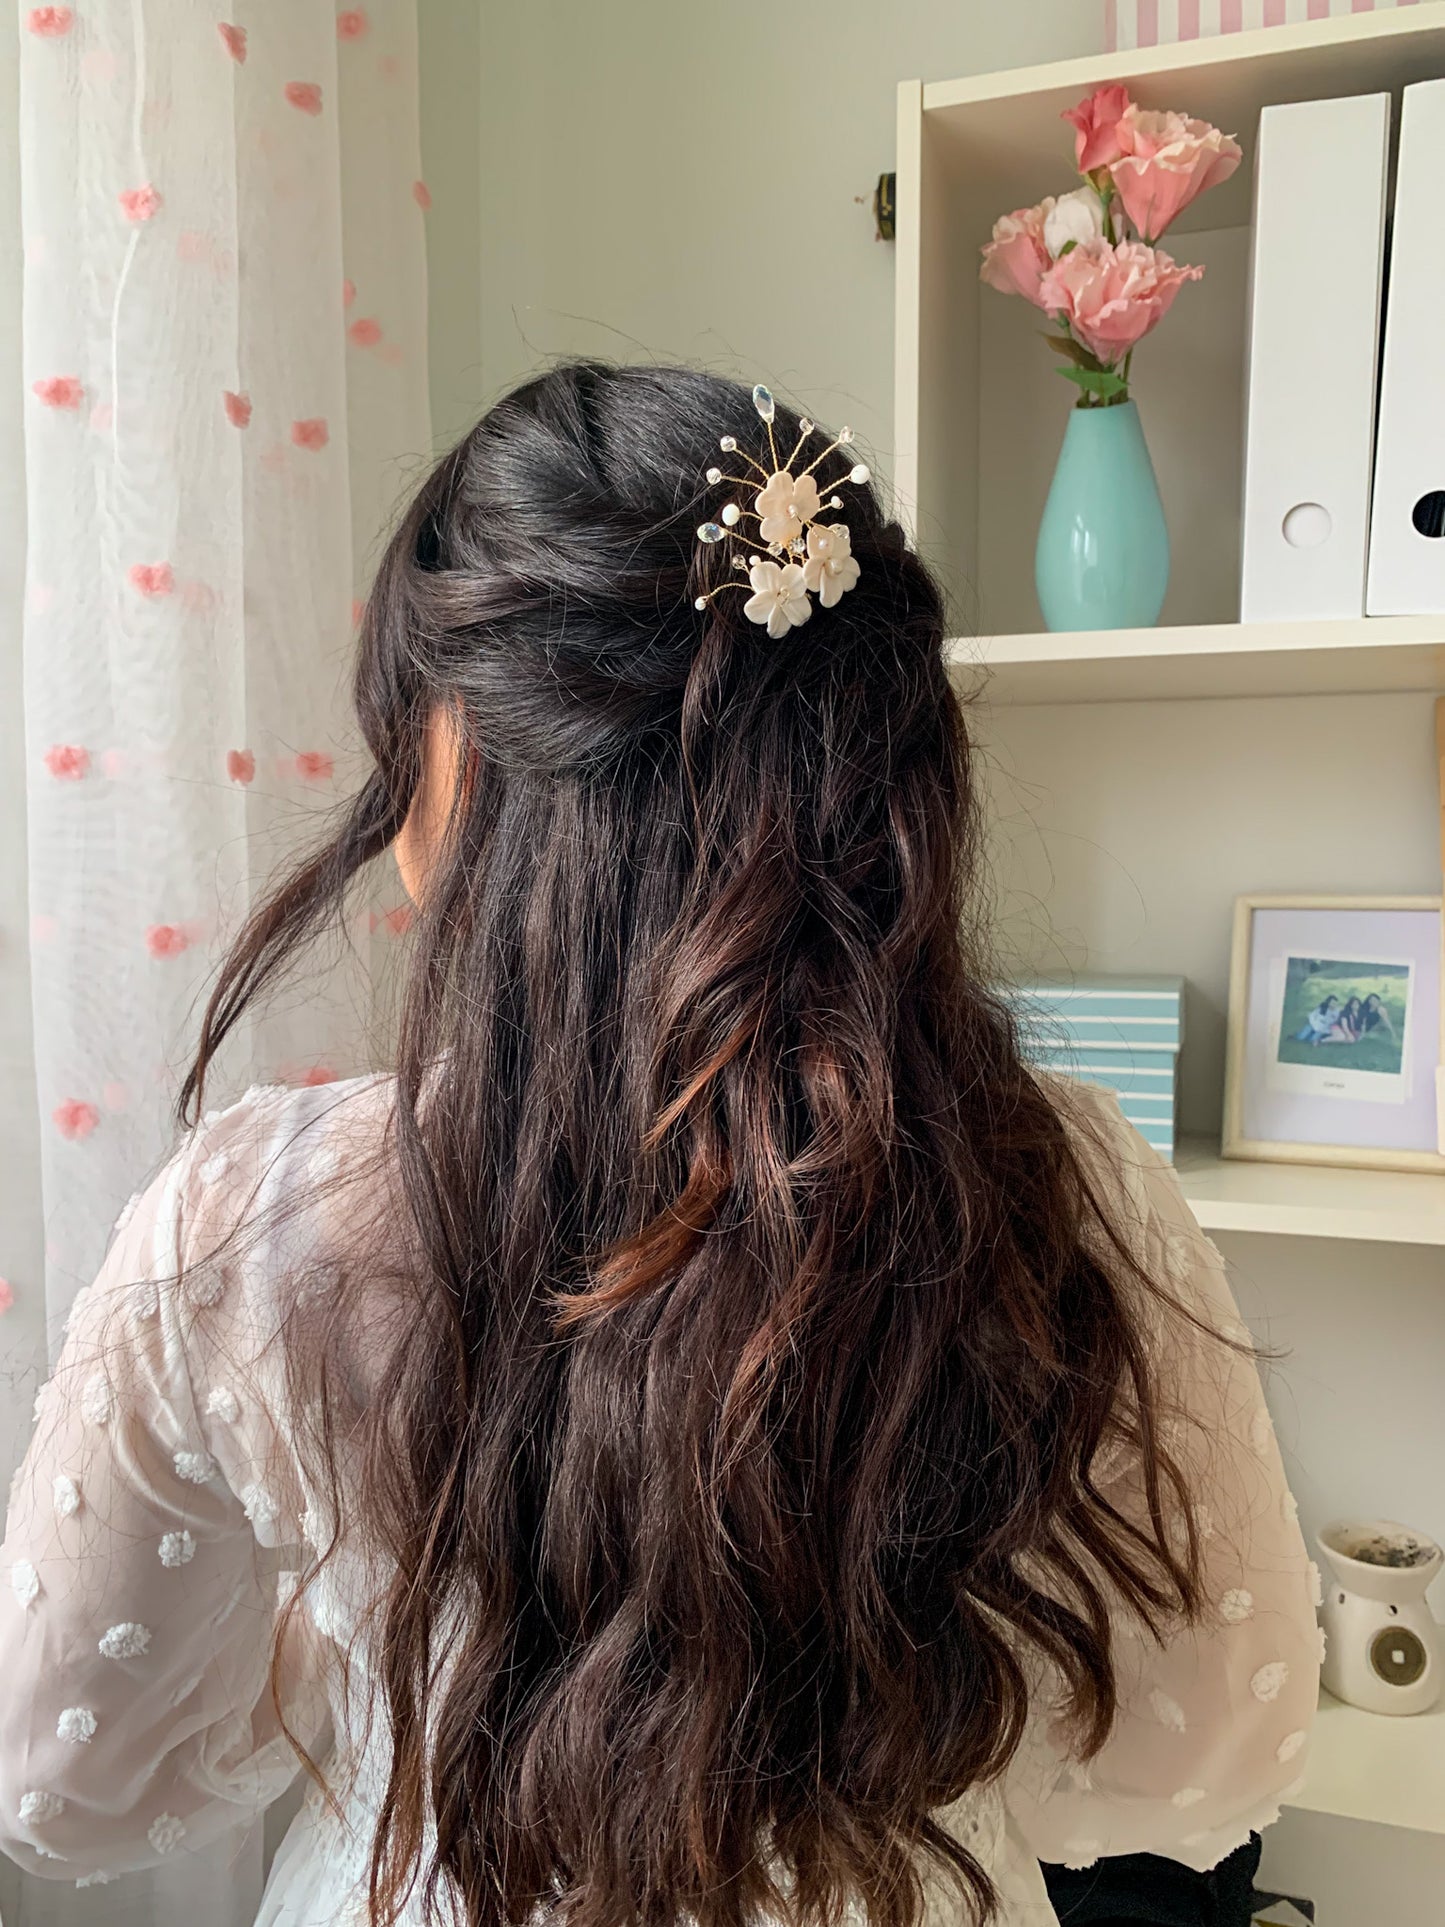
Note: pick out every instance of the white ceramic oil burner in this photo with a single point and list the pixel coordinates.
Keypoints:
(1382, 1645)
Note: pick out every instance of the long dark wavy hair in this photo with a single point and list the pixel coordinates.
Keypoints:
(763, 1329)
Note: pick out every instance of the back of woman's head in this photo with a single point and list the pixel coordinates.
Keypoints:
(738, 1458)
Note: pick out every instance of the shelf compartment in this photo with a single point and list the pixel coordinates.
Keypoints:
(1312, 1201)
(1367, 656)
(979, 413)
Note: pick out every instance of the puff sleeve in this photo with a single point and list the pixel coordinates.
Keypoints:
(1213, 1725)
(140, 1570)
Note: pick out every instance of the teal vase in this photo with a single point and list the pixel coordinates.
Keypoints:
(1102, 560)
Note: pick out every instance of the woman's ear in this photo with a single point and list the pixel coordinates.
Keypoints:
(420, 838)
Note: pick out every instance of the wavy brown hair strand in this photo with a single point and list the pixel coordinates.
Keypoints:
(739, 1469)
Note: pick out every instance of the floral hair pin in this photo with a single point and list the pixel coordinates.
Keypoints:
(796, 553)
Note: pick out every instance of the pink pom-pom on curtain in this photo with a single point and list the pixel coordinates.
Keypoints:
(365, 331)
(311, 432)
(348, 293)
(351, 24)
(139, 204)
(75, 1119)
(234, 41)
(7, 1296)
(315, 766)
(240, 765)
(237, 407)
(50, 23)
(166, 940)
(304, 95)
(421, 194)
(59, 391)
(151, 579)
(67, 762)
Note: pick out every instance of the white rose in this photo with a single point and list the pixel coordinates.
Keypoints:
(1075, 217)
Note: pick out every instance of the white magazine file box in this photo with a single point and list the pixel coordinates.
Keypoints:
(1407, 523)
(1321, 169)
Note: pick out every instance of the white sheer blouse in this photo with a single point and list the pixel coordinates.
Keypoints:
(163, 1514)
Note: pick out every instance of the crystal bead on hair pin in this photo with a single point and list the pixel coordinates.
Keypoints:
(795, 554)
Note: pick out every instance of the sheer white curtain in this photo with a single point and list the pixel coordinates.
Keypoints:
(224, 392)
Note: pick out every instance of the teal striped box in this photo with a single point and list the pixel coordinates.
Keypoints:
(1121, 1033)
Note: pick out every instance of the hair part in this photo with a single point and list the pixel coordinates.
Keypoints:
(762, 1330)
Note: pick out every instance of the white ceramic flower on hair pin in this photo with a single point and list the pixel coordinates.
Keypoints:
(795, 553)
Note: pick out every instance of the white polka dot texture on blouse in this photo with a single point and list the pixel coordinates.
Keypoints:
(223, 1404)
(144, 1302)
(177, 1549)
(97, 1401)
(38, 1807)
(126, 1640)
(166, 1833)
(67, 1496)
(1167, 1711)
(196, 1468)
(205, 1286)
(259, 1507)
(1268, 1682)
(76, 1724)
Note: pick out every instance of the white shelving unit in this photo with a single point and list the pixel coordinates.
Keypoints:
(1364, 657)
(1310, 1200)
(1365, 1767)
(1143, 778)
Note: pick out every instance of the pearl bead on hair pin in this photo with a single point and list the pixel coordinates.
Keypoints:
(796, 555)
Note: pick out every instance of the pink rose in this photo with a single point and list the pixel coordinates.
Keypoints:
(1096, 121)
(1167, 161)
(1016, 260)
(1113, 294)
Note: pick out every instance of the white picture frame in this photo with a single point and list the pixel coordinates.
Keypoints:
(1334, 1038)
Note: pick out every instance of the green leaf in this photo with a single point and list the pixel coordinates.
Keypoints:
(1073, 350)
(1067, 248)
(1100, 382)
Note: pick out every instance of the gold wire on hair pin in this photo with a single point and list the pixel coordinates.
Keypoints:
(795, 554)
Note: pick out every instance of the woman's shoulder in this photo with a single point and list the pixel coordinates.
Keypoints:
(1113, 1155)
(1138, 1192)
(265, 1183)
(281, 1127)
